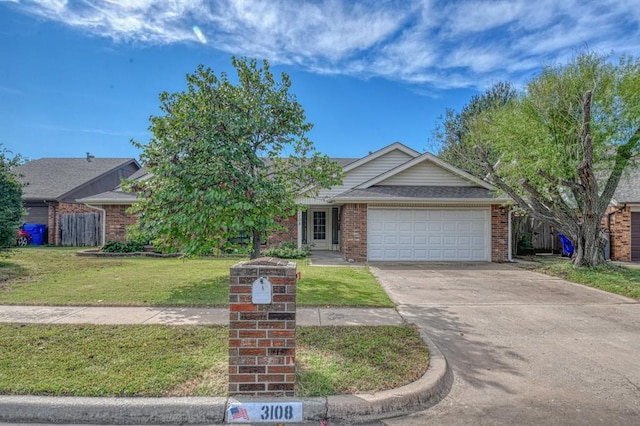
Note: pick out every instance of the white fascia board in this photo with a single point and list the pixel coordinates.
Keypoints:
(109, 202)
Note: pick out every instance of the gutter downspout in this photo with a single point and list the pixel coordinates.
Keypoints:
(509, 233)
(104, 221)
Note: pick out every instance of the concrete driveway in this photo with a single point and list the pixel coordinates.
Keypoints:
(525, 348)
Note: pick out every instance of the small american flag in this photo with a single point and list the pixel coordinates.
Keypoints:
(239, 413)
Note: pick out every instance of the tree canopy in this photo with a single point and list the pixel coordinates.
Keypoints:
(559, 147)
(11, 210)
(227, 159)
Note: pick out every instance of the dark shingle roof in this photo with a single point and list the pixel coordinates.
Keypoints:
(628, 190)
(51, 178)
(383, 192)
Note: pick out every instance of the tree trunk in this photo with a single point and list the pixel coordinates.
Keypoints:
(256, 241)
(589, 245)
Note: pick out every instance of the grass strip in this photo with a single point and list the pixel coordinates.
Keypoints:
(359, 359)
(154, 360)
(609, 277)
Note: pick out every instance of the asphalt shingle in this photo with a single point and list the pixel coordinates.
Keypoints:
(418, 192)
(51, 178)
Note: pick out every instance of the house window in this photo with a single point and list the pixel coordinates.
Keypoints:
(319, 225)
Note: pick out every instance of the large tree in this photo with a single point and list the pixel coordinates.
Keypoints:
(456, 127)
(559, 147)
(11, 210)
(228, 158)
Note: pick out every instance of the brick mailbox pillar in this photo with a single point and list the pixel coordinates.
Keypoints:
(262, 328)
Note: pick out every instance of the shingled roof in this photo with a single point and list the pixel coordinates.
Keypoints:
(628, 190)
(417, 193)
(58, 178)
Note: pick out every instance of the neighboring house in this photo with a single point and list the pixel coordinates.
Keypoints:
(623, 219)
(54, 186)
(113, 206)
(394, 204)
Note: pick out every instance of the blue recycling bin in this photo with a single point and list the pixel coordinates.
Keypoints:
(567, 247)
(37, 232)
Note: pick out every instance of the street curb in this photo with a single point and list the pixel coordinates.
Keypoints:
(421, 394)
(425, 392)
(125, 411)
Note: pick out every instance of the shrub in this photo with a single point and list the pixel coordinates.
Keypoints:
(287, 251)
(118, 247)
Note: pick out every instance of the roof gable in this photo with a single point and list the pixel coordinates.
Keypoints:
(396, 146)
(366, 168)
(425, 170)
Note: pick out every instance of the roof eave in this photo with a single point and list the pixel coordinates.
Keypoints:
(485, 201)
(109, 202)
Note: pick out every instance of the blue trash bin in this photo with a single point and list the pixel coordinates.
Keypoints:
(37, 232)
(567, 247)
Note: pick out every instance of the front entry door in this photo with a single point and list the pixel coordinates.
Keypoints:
(320, 230)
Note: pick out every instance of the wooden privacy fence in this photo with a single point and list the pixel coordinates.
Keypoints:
(81, 229)
(541, 237)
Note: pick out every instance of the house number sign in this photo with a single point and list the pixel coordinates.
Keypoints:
(261, 291)
(265, 412)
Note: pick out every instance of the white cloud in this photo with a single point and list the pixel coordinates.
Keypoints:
(435, 43)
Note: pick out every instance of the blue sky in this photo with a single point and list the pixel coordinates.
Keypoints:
(84, 76)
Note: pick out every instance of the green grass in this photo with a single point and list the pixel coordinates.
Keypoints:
(56, 276)
(150, 360)
(613, 278)
(107, 360)
(344, 360)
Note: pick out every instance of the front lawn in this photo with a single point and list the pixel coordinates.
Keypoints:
(610, 277)
(56, 276)
(153, 360)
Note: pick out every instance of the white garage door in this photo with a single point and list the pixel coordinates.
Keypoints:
(429, 234)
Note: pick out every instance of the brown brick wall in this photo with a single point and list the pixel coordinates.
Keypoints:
(620, 237)
(353, 232)
(499, 234)
(118, 220)
(288, 235)
(262, 337)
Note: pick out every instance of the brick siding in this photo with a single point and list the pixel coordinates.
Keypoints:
(620, 237)
(288, 235)
(499, 234)
(262, 337)
(353, 232)
(118, 220)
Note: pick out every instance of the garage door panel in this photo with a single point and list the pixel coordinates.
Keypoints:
(435, 240)
(420, 226)
(419, 240)
(405, 227)
(405, 240)
(429, 234)
(390, 240)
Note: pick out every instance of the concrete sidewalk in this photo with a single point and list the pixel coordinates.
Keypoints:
(185, 316)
